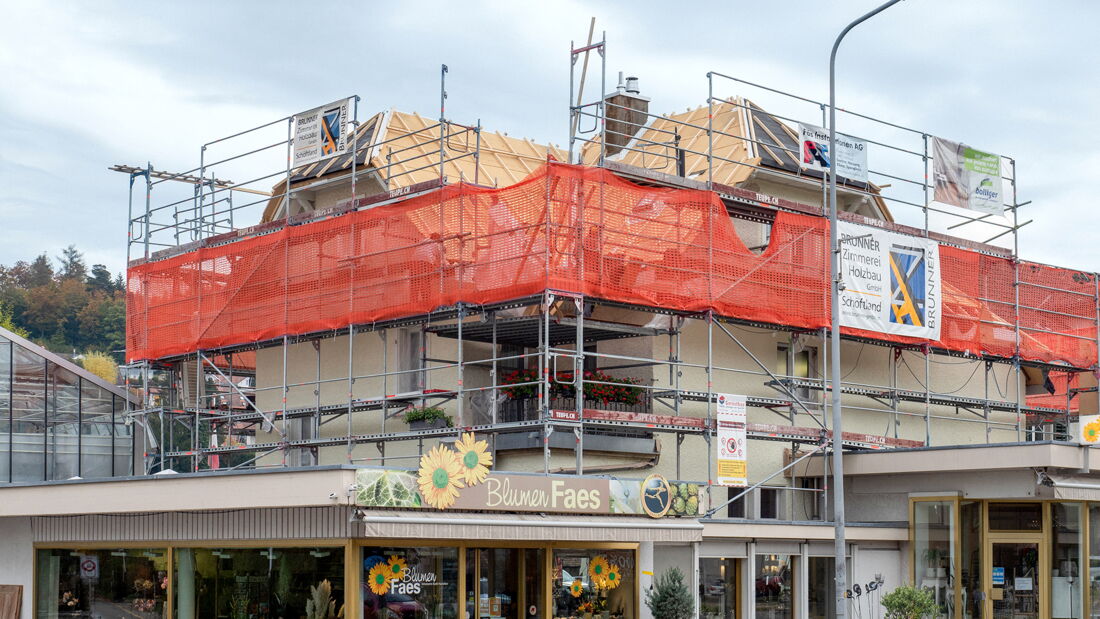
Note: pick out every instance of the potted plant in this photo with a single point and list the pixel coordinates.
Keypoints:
(933, 558)
(427, 418)
(908, 603)
(669, 597)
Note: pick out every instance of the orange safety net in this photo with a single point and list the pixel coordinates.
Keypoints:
(575, 229)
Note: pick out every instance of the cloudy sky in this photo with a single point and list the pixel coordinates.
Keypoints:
(88, 85)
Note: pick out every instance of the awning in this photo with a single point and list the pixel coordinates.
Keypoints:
(1072, 487)
(472, 527)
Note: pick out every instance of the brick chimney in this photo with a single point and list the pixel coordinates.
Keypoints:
(626, 112)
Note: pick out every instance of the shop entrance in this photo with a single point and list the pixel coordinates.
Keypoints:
(1013, 586)
(505, 583)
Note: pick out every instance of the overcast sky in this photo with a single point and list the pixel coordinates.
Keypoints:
(88, 85)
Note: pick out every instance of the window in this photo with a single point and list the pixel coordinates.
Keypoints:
(591, 581)
(934, 550)
(425, 586)
(811, 499)
(254, 582)
(735, 509)
(718, 588)
(769, 503)
(797, 363)
(102, 583)
(1015, 516)
(774, 585)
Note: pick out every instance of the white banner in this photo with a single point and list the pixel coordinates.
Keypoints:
(732, 442)
(966, 177)
(891, 282)
(850, 156)
(320, 133)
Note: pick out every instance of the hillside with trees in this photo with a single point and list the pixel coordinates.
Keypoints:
(64, 305)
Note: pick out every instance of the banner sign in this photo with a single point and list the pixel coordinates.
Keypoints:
(732, 441)
(850, 156)
(320, 133)
(653, 496)
(966, 177)
(891, 282)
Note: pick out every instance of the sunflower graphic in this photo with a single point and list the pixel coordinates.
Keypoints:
(396, 568)
(577, 588)
(378, 579)
(440, 477)
(613, 578)
(1091, 431)
(473, 458)
(597, 571)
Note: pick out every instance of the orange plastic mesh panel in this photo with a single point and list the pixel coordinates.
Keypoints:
(1062, 381)
(566, 228)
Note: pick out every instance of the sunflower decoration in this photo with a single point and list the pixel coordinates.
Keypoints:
(440, 477)
(1091, 431)
(577, 588)
(473, 458)
(597, 571)
(396, 568)
(378, 579)
(613, 579)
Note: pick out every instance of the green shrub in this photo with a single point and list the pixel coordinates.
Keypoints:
(427, 413)
(907, 602)
(669, 597)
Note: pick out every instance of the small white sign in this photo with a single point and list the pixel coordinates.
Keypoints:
(320, 133)
(1022, 584)
(732, 440)
(850, 155)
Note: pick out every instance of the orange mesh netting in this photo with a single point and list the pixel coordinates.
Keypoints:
(574, 229)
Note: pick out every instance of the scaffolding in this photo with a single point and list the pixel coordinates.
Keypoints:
(559, 345)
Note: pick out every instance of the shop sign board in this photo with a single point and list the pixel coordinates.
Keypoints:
(732, 440)
(320, 133)
(966, 177)
(501, 492)
(850, 156)
(1088, 429)
(891, 282)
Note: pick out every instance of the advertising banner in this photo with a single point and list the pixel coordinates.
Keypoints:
(320, 133)
(732, 442)
(966, 177)
(1088, 429)
(850, 156)
(891, 282)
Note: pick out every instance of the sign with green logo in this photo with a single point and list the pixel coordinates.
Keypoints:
(967, 177)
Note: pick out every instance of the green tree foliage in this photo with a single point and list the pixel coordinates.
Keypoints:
(909, 603)
(65, 306)
(669, 598)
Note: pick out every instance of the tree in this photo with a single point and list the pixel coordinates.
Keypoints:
(669, 598)
(5, 322)
(101, 280)
(39, 272)
(72, 264)
(102, 365)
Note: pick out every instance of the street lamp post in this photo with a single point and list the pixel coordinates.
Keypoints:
(840, 564)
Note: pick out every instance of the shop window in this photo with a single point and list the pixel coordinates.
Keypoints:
(255, 582)
(1015, 516)
(1094, 560)
(1065, 566)
(719, 586)
(821, 574)
(594, 581)
(409, 582)
(774, 584)
(934, 554)
(101, 583)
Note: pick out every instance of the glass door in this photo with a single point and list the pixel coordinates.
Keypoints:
(1014, 583)
(504, 583)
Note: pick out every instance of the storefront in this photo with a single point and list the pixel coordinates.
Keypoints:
(1007, 558)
